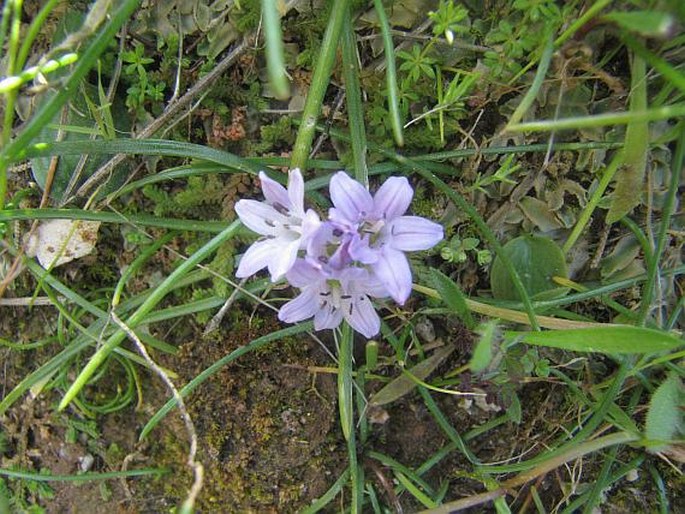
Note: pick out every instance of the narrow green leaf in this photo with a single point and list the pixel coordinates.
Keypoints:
(319, 84)
(353, 97)
(482, 353)
(402, 385)
(532, 92)
(665, 414)
(390, 74)
(602, 120)
(630, 178)
(112, 217)
(610, 339)
(415, 491)
(646, 23)
(453, 297)
(157, 147)
(275, 62)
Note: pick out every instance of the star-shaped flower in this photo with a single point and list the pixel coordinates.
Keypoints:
(283, 222)
(379, 232)
(332, 295)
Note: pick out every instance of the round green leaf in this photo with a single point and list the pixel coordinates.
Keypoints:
(536, 259)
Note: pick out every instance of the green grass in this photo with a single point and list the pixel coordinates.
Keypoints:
(607, 356)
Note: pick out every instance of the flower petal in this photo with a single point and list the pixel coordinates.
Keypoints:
(259, 216)
(302, 307)
(392, 269)
(362, 316)
(327, 317)
(274, 192)
(257, 256)
(411, 233)
(351, 199)
(303, 274)
(361, 251)
(296, 191)
(283, 257)
(393, 198)
(310, 225)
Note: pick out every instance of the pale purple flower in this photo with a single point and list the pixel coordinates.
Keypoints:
(331, 295)
(379, 232)
(283, 222)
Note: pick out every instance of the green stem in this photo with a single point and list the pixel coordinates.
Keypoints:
(275, 62)
(532, 93)
(320, 80)
(346, 408)
(112, 217)
(589, 209)
(390, 73)
(84, 477)
(602, 120)
(355, 109)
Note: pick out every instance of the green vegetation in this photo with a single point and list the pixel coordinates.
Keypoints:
(539, 361)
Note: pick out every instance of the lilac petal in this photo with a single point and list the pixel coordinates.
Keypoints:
(296, 191)
(392, 269)
(327, 317)
(255, 258)
(310, 226)
(363, 317)
(411, 233)
(259, 216)
(282, 258)
(274, 192)
(361, 251)
(303, 274)
(373, 287)
(350, 198)
(303, 306)
(393, 198)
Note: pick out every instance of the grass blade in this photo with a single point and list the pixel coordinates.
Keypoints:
(616, 339)
(390, 74)
(355, 109)
(149, 220)
(319, 85)
(157, 295)
(275, 61)
(631, 175)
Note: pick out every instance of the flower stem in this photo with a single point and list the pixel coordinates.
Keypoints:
(320, 80)
(346, 407)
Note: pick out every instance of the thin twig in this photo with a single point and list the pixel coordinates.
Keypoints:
(196, 466)
(216, 320)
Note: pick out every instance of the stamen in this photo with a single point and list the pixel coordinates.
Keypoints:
(345, 296)
(351, 308)
(270, 223)
(281, 209)
(337, 232)
(327, 293)
(323, 259)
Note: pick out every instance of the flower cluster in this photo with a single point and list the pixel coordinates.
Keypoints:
(338, 264)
